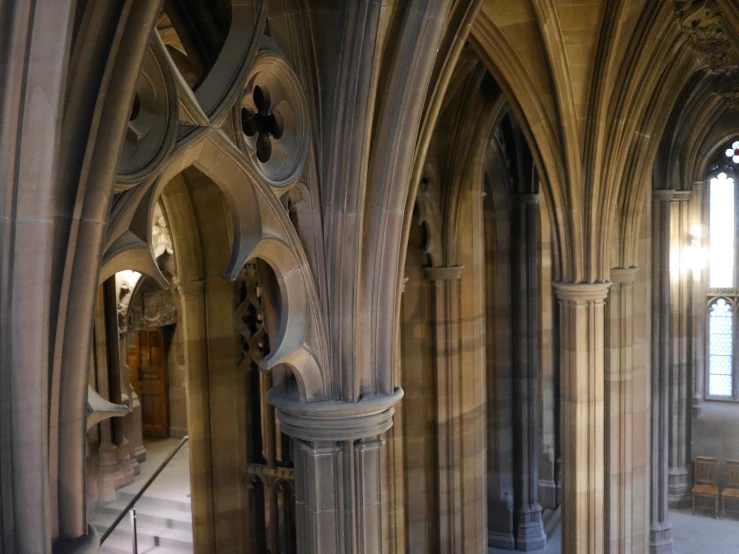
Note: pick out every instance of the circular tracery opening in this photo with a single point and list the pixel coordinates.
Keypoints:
(261, 124)
(273, 120)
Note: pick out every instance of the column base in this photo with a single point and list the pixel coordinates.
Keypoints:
(678, 487)
(86, 544)
(660, 538)
(530, 533)
(697, 405)
(549, 493)
(504, 541)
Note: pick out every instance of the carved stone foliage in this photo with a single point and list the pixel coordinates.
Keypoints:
(706, 27)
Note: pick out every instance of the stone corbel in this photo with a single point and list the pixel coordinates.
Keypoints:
(99, 409)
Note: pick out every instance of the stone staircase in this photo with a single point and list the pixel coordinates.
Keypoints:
(163, 526)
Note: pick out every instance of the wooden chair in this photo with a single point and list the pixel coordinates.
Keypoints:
(731, 489)
(705, 479)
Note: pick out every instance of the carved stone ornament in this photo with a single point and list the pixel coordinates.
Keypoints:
(705, 26)
(274, 120)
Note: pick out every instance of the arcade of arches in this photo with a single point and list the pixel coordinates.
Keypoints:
(424, 276)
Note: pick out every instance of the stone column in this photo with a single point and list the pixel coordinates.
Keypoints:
(338, 477)
(192, 317)
(530, 533)
(619, 412)
(660, 541)
(581, 313)
(680, 398)
(115, 390)
(109, 475)
(448, 377)
(697, 289)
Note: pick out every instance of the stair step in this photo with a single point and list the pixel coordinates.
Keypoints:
(148, 535)
(122, 545)
(165, 518)
(154, 502)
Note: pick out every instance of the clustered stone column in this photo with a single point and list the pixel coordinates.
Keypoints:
(660, 541)
(679, 400)
(530, 533)
(445, 322)
(581, 312)
(620, 412)
(338, 475)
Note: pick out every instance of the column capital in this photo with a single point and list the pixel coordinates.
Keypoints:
(624, 274)
(187, 290)
(662, 195)
(335, 420)
(682, 195)
(443, 273)
(581, 292)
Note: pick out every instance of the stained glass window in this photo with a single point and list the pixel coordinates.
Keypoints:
(721, 225)
(720, 349)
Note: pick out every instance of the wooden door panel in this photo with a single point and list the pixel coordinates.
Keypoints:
(151, 382)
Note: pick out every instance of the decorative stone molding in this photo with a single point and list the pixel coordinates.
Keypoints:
(334, 420)
(580, 293)
(624, 274)
(152, 123)
(681, 196)
(662, 195)
(444, 273)
(273, 118)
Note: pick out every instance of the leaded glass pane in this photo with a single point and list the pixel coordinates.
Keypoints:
(721, 222)
(720, 349)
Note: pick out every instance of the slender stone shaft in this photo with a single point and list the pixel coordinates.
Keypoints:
(530, 533)
(660, 541)
(679, 362)
(620, 412)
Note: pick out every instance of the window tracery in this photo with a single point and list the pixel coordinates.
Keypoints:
(722, 373)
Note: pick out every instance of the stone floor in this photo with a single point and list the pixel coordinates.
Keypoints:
(690, 535)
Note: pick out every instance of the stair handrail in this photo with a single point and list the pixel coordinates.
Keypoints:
(141, 492)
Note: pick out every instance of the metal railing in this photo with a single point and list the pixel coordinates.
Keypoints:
(130, 506)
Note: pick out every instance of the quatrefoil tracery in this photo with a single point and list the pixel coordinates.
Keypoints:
(262, 122)
(274, 120)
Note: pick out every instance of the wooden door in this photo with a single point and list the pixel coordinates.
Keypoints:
(149, 379)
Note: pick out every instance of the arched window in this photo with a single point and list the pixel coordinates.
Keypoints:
(722, 379)
(720, 349)
(721, 229)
